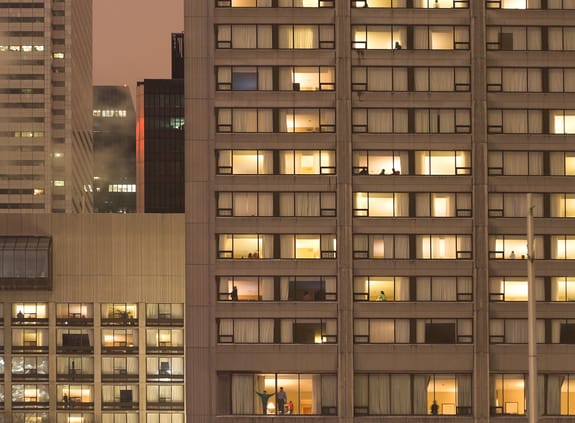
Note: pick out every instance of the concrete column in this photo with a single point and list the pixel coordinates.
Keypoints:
(344, 211)
(480, 213)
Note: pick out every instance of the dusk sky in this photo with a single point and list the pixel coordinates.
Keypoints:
(132, 39)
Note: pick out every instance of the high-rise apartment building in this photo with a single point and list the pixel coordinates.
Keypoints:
(356, 180)
(114, 150)
(46, 106)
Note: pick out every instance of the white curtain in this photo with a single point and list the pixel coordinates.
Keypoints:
(381, 331)
(284, 288)
(463, 390)
(265, 120)
(423, 289)
(287, 245)
(265, 78)
(379, 394)
(329, 390)
(555, 38)
(307, 204)
(444, 289)
(400, 394)
(554, 385)
(266, 246)
(401, 246)
(266, 288)
(316, 394)
(224, 33)
(266, 331)
(515, 121)
(285, 76)
(420, 383)
(421, 38)
(287, 204)
(402, 331)
(516, 331)
(243, 394)
(361, 391)
(515, 79)
(286, 330)
(441, 79)
(245, 120)
(380, 120)
(244, 36)
(305, 36)
(401, 288)
(557, 163)
(534, 80)
(380, 79)
(401, 204)
(327, 116)
(246, 331)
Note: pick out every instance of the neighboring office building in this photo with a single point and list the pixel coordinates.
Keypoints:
(293, 207)
(114, 150)
(96, 331)
(46, 103)
(160, 139)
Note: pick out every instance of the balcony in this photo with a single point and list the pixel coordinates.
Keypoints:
(165, 404)
(29, 375)
(120, 375)
(164, 348)
(75, 319)
(30, 404)
(74, 403)
(31, 348)
(119, 405)
(120, 318)
(29, 319)
(75, 375)
(165, 319)
(120, 348)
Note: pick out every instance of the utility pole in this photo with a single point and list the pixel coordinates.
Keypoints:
(531, 317)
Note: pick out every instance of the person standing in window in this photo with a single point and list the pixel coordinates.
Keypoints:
(381, 296)
(264, 396)
(281, 398)
(234, 293)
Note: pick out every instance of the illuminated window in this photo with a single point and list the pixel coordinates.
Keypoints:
(245, 246)
(562, 121)
(58, 55)
(58, 183)
(308, 246)
(444, 246)
(380, 204)
(378, 37)
(563, 247)
(442, 163)
(245, 162)
(508, 394)
(562, 205)
(369, 288)
(307, 162)
(563, 289)
(380, 163)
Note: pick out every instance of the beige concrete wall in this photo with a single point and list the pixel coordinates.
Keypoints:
(107, 257)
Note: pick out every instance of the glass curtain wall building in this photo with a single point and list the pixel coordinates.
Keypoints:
(356, 180)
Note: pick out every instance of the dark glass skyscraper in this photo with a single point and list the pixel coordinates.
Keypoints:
(160, 139)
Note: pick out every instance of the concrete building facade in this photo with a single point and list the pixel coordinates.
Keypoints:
(358, 172)
(91, 318)
(46, 100)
